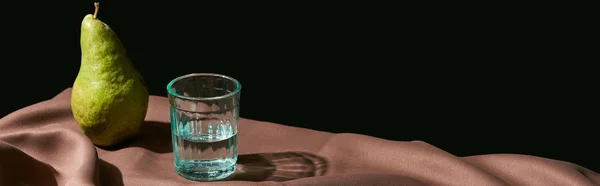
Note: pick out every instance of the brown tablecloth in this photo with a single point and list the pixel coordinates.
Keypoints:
(42, 145)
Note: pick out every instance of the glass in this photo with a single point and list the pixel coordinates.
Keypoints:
(204, 125)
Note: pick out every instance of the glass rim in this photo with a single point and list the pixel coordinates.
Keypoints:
(237, 89)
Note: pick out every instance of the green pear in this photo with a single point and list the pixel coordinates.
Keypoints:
(109, 97)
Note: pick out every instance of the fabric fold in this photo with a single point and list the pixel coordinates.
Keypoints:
(18, 168)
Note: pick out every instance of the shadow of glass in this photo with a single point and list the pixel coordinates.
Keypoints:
(154, 136)
(109, 174)
(280, 166)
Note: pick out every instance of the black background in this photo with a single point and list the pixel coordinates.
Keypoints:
(465, 83)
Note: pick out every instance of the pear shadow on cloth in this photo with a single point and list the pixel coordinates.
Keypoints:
(154, 136)
(281, 166)
(109, 174)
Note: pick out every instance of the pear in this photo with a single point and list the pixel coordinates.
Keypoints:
(109, 97)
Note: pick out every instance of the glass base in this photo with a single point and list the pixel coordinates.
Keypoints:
(199, 172)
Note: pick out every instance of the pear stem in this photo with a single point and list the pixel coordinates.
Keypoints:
(97, 5)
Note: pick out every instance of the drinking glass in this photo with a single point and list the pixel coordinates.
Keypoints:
(204, 110)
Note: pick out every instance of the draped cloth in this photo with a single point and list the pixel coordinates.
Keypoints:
(42, 145)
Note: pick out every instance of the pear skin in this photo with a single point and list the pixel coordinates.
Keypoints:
(109, 97)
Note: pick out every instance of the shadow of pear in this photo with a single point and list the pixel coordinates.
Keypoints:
(153, 136)
(281, 166)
